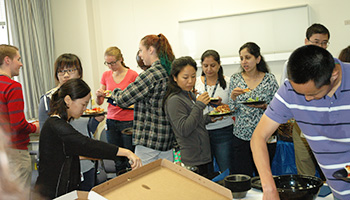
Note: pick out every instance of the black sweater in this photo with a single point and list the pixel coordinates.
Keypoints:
(60, 146)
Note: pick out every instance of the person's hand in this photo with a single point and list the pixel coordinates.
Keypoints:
(134, 161)
(195, 91)
(270, 195)
(100, 93)
(100, 118)
(204, 98)
(36, 123)
(236, 92)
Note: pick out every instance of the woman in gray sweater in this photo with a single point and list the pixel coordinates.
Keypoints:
(185, 114)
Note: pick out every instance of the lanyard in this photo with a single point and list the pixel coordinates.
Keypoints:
(205, 85)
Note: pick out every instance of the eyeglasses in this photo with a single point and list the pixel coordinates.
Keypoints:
(110, 63)
(318, 43)
(69, 71)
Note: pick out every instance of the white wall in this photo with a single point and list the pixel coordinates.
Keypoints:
(88, 27)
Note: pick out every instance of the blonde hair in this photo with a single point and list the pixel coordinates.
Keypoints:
(117, 53)
(7, 50)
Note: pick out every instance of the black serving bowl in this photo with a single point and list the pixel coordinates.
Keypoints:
(298, 187)
(239, 184)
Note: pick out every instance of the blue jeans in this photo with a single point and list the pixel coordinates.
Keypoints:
(221, 146)
(115, 136)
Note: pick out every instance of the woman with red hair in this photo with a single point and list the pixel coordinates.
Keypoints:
(152, 133)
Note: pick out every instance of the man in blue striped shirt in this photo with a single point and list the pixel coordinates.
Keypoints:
(317, 95)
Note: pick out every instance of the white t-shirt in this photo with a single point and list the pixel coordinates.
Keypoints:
(224, 94)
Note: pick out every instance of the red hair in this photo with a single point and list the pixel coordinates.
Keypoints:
(163, 49)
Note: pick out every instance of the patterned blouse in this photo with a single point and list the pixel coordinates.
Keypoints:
(247, 118)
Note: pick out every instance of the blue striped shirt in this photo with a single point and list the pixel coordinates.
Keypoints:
(325, 124)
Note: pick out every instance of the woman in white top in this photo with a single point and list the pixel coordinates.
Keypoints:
(216, 84)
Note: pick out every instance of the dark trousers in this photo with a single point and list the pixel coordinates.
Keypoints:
(89, 180)
(115, 136)
(205, 170)
(243, 162)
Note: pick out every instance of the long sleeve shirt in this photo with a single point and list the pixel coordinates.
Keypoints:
(12, 118)
(151, 128)
(186, 117)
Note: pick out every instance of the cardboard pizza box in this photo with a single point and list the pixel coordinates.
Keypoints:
(161, 180)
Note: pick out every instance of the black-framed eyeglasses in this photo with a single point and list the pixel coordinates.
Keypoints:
(69, 71)
(110, 63)
(322, 44)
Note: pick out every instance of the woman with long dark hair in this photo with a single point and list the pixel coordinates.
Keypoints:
(213, 81)
(254, 82)
(60, 144)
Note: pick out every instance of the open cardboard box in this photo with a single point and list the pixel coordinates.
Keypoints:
(160, 179)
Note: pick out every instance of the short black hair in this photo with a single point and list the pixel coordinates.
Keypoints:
(317, 29)
(310, 63)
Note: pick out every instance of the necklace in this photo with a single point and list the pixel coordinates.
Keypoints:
(205, 85)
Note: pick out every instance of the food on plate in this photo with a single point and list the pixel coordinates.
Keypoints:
(222, 109)
(108, 93)
(131, 107)
(246, 90)
(94, 110)
(347, 168)
(253, 100)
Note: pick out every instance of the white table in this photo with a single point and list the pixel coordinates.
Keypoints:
(254, 194)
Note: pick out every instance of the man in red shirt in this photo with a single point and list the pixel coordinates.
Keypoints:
(12, 119)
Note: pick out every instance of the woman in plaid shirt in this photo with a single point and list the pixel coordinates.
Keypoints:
(152, 133)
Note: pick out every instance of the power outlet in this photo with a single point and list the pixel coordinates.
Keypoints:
(347, 22)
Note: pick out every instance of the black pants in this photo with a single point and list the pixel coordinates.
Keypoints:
(206, 170)
(243, 162)
(89, 180)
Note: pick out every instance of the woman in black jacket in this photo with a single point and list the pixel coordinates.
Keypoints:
(61, 145)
